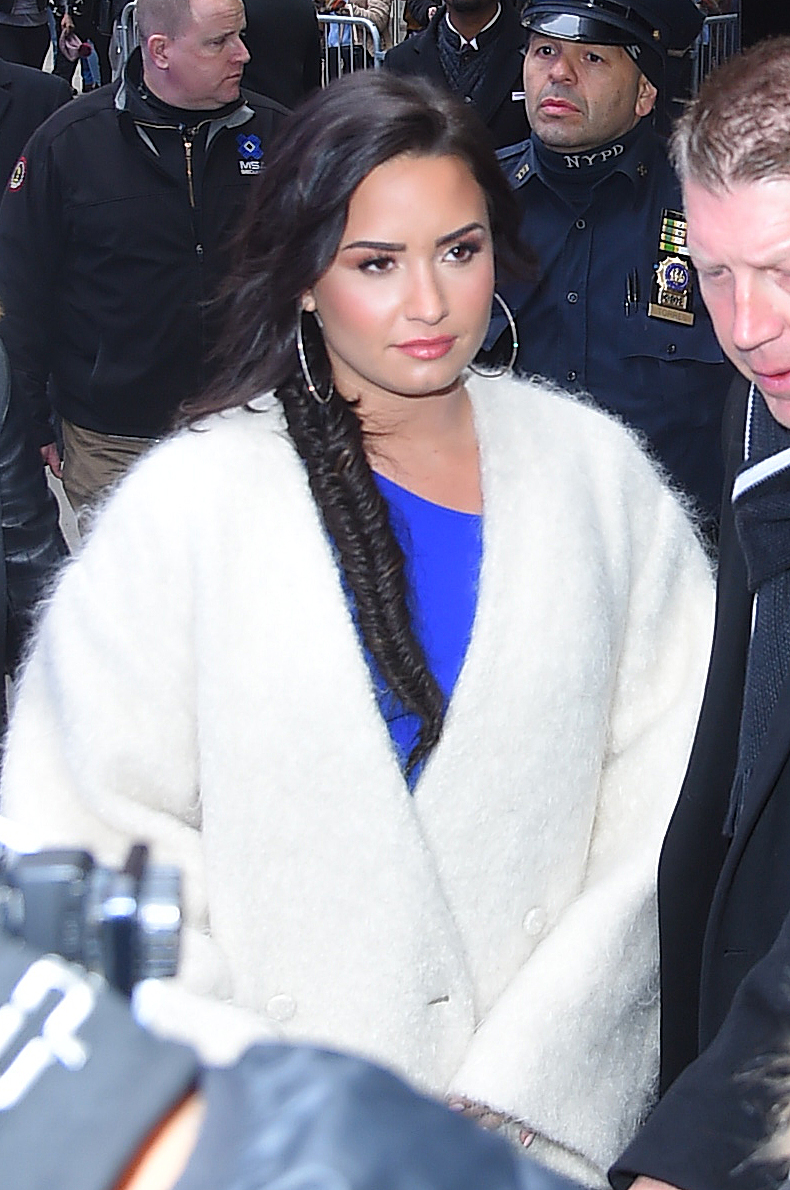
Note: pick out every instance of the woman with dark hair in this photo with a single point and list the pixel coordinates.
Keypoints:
(399, 662)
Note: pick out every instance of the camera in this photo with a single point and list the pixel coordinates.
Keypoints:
(123, 923)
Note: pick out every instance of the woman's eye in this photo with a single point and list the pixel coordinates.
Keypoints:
(375, 264)
(463, 252)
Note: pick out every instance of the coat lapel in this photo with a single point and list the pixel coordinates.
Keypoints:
(502, 68)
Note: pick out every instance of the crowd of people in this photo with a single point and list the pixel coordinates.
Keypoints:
(407, 420)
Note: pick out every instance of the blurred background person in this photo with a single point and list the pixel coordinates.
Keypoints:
(475, 49)
(284, 44)
(32, 545)
(24, 32)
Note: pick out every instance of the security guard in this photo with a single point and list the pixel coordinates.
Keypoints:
(614, 310)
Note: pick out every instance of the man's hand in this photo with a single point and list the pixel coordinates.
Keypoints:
(49, 454)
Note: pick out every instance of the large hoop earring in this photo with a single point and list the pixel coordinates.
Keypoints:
(508, 367)
(300, 351)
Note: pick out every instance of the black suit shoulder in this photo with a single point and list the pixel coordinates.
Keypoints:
(49, 89)
(417, 55)
(27, 98)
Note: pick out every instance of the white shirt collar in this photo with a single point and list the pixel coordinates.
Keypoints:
(473, 41)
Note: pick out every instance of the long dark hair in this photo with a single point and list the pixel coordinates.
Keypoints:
(288, 239)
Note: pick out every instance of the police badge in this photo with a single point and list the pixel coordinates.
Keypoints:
(670, 296)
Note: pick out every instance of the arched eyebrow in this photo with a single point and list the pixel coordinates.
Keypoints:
(461, 231)
(384, 246)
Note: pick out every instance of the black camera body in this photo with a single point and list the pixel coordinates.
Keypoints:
(124, 924)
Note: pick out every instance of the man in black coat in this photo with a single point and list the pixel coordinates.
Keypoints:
(284, 42)
(724, 881)
(475, 49)
(27, 97)
(32, 544)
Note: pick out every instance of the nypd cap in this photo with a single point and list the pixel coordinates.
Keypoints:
(647, 29)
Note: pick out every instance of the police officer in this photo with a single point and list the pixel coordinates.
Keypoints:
(614, 310)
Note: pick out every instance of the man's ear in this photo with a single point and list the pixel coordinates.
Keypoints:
(157, 47)
(645, 97)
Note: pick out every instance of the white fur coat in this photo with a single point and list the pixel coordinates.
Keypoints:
(197, 683)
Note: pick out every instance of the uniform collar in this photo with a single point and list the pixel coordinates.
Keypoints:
(632, 155)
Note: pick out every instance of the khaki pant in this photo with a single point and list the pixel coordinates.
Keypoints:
(93, 463)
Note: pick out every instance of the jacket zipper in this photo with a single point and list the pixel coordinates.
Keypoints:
(188, 138)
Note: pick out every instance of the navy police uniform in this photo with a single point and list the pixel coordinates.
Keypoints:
(614, 310)
(595, 221)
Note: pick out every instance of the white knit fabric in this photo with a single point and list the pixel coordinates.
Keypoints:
(197, 683)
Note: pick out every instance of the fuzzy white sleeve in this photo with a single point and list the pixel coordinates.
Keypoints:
(571, 1047)
(102, 750)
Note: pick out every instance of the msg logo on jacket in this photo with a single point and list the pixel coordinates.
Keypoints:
(250, 154)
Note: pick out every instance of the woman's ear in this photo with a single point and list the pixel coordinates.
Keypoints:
(308, 302)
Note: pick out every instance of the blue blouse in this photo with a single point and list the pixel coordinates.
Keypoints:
(443, 550)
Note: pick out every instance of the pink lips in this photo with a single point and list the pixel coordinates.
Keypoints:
(557, 107)
(427, 348)
(773, 383)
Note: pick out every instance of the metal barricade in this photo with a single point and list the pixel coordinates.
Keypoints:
(397, 21)
(719, 40)
(125, 38)
(351, 55)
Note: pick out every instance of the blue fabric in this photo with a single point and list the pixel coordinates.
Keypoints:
(443, 550)
(338, 34)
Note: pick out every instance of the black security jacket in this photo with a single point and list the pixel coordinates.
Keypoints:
(107, 254)
(725, 921)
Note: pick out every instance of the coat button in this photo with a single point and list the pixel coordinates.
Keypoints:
(581, 224)
(571, 375)
(671, 348)
(281, 1008)
(534, 921)
(572, 297)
